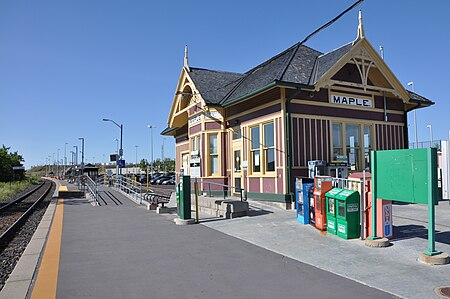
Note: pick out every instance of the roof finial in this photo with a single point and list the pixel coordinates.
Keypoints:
(360, 34)
(186, 65)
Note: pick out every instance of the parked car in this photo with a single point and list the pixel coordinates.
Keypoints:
(162, 179)
(170, 181)
(155, 177)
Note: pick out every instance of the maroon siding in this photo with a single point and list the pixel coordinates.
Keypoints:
(253, 185)
(307, 144)
(264, 98)
(315, 136)
(391, 103)
(389, 137)
(313, 139)
(255, 114)
(344, 112)
(212, 126)
(195, 129)
(269, 185)
(301, 144)
(205, 186)
(319, 96)
(294, 141)
(280, 175)
(194, 109)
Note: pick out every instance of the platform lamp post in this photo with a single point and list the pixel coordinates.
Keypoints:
(431, 134)
(151, 127)
(415, 117)
(65, 158)
(121, 135)
(57, 163)
(117, 155)
(136, 147)
(76, 155)
(82, 155)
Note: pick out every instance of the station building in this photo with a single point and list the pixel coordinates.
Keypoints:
(259, 129)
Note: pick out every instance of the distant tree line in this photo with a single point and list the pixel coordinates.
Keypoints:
(7, 161)
(166, 165)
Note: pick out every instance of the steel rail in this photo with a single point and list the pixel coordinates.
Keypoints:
(8, 205)
(5, 237)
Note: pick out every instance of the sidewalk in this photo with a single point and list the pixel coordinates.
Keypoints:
(394, 269)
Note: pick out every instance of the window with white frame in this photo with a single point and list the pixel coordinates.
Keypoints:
(255, 149)
(262, 148)
(213, 154)
(269, 147)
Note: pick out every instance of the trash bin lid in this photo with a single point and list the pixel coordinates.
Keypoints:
(345, 194)
(333, 192)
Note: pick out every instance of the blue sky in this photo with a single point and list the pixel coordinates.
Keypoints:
(65, 65)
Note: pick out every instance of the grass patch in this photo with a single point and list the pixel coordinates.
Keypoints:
(9, 189)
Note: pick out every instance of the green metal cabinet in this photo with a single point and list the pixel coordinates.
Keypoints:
(330, 197)
(347, 214)
(183, 193)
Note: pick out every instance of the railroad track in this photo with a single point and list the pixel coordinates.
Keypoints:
(15, 213)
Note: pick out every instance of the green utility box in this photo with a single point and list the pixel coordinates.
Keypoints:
(330, 197)
(347, 217)
(183, 196)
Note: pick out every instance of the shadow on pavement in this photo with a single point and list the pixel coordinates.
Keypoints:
(404, 232)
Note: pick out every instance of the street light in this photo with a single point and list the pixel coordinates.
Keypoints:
(382, 52)
(76, 154)
(415, 117)
(121, 135)
(117, 155)
(151, 127)
(136, 147)
(65, 158)
(57, 163)
(431, 134)
(82, 155)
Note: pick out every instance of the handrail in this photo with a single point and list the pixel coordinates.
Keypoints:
(91, 186)
(129, 185)
(238, 189)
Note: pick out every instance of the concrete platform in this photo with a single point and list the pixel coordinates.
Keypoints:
(126, 251)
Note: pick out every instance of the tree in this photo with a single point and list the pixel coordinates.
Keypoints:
(143, 164)
(7, 162)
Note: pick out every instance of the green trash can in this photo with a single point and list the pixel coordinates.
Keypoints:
(348, 217)
(330, 198)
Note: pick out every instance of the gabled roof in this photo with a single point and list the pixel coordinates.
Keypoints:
(298, 64)
(416, 98)
(325, 61)
(213, 85)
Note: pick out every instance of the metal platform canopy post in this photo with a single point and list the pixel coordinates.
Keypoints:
(373, 160)
(432, 200)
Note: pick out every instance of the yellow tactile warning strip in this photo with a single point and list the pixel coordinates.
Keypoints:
(63, 188)
(47, 278)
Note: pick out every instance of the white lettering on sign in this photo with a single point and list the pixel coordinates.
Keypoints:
(330, 224)
(351, 101)
(195, 119)
(213, 115)
(341, 228)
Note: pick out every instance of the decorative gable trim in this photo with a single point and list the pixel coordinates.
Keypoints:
(365, 57)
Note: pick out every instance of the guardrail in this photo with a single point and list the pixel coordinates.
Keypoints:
(129, 186)
(225, 189)
(87, 184)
